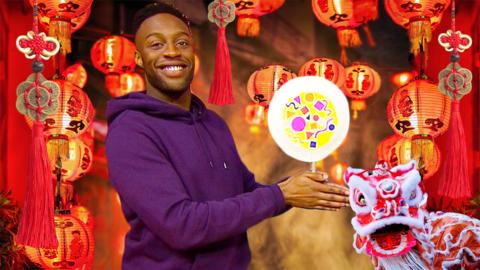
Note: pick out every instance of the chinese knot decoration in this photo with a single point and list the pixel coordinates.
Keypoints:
(37, 98)
(361, 82)
(455, 82)
(249, 11)
(221, 12)
(264, 82)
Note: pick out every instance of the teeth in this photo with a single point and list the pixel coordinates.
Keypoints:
(173, 68)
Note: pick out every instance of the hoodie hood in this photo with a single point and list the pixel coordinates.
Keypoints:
(140, 101)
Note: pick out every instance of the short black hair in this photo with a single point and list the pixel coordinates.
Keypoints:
(154, 9)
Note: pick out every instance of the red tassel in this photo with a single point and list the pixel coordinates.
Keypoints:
(454, 181)
(37, 228)
(370, 39)
(221, 88)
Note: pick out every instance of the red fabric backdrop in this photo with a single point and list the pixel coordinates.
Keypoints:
(15, 135)
(467, 11)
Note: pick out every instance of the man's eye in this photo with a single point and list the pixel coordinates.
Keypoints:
(182, 43)
(155, 45)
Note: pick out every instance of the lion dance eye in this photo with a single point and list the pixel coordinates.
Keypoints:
(413, 195)
(360, 200)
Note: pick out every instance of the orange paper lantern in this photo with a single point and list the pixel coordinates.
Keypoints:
(124, 83)
(361, 82)
(255, 116)
(249, 11)
(60, 14)
(418, 109)
(398, 150)
(74, 114)
(113, 54)
(75, 163)
(264, 82)
(83, 215)
(76, 74)
(419, 17)
(345, 16)
(326, 68)
(75, 249)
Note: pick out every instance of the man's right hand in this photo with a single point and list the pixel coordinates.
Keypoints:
(311, 190)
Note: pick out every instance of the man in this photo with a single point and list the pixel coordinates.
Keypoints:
(185, 192)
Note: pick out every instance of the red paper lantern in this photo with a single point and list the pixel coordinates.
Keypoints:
(75, 248)
(397, 150)
(113, 54)
(83, 215)
(345, 16)
(249, 11)
(76, 74)
(124, 83)
(255, 116)
(337, 171)
(326, 68)
(361, 82)
(61, 14)
(418, 109)
(264, 82)
(74, 114)
(75, 163)
(420, 17)
(76, 23)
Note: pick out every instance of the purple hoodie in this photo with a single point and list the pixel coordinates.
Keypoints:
(186, 194)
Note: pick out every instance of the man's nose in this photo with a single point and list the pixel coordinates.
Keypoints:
(171, 51)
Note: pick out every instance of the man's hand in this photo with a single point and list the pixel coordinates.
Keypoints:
(311, 190)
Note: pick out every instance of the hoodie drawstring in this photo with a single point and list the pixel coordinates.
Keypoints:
(204, 146)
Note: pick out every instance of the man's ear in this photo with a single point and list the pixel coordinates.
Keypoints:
(138, 59)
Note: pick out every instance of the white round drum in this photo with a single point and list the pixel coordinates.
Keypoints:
(309, 118)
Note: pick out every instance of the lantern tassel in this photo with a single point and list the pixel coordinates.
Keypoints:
(221, 88)
(454, 179)
(36, 226)
(420, 33)
(248, 27)
(61, 30)
(368, 33)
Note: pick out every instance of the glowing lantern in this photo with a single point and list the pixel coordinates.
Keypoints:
(397, 150)
(255, 117)
(113, 54)
(337, 171)
(361, 83)
(75, 163)
(61, 14)
(418, 109)
(74, 115)
(76, 23)
(249, 11)
(264, 82)
(76, 74)
(124, 83)
(401, 78)
(75, 248)
(345, 16)
(419, 17)
(326, 68)
(83, 215)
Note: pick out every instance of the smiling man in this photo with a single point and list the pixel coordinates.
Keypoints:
(185, 192)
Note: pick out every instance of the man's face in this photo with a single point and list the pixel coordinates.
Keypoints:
(165, 51)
